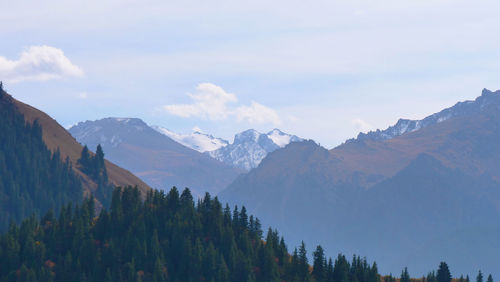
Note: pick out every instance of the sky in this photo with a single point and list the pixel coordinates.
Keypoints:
(323, 70)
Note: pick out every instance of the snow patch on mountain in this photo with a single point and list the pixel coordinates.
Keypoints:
(250, 147)
(100, 129)
(488, 101)
(197, 140)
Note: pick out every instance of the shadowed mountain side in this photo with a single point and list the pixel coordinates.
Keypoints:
(419, 207)
(158, 160)
(391, 200)
(393, 222)
(55, 136)
(293, 189)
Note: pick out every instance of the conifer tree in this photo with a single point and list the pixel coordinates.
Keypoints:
(319, 264)
(479, 277)
(443, 274)
(405, 276)
(303, 264)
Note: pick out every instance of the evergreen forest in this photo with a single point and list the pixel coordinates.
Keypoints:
(33, 180)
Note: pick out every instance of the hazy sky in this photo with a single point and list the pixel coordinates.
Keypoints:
(323, 70)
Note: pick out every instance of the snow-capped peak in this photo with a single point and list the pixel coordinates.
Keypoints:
(282, 139)
(247, 135)
(250, 147)
(196, 140)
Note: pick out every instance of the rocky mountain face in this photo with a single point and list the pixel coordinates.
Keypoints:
(412, 197)
(157, 159)
(250, 147)
(198, 141)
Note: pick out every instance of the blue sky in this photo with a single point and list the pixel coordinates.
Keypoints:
(323, 70)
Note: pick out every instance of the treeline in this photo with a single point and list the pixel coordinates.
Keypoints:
(32, 178)
(443, 274)
(166, 237)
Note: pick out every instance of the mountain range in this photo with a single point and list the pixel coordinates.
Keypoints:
(246, 152)
(163, 158)
(157, 159)
(415, 194)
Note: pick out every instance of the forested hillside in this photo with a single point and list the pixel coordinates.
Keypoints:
(32, 178)
(168, 237)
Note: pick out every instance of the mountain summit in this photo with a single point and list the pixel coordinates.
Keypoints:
(250, 147)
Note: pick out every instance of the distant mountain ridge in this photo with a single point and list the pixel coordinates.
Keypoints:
(403, 126)
(430, 189)
(157, 159)
(250, 147)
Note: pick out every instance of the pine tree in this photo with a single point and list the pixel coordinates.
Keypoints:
(443, 274)
(319, 264)
(84, 160)
(405, 276)
(303, 264)
(490, 278)
(479, 277)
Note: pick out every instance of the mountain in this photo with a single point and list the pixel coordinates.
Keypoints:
(405, 125)
(56, 137)
(198, 141)
(157, 159)
(39, 168)
(250, 147)
(414, 199)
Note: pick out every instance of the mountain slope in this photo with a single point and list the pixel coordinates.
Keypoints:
(250, 147)
(32, 178)
(157, 159)
(390, 199)
(198, 141)
(56, 137)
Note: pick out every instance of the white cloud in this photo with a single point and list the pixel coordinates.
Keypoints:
(38, 63)
(211, 102)
(257, 113)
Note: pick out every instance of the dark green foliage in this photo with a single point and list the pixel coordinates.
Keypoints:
(405, 276)
(319, 264)
(164, 238)
(431, 277)
(94, 166)
(479, 277)
(490, 279)
(33, 180)
(443, 274)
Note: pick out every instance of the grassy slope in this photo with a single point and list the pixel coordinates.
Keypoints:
(55, 136)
